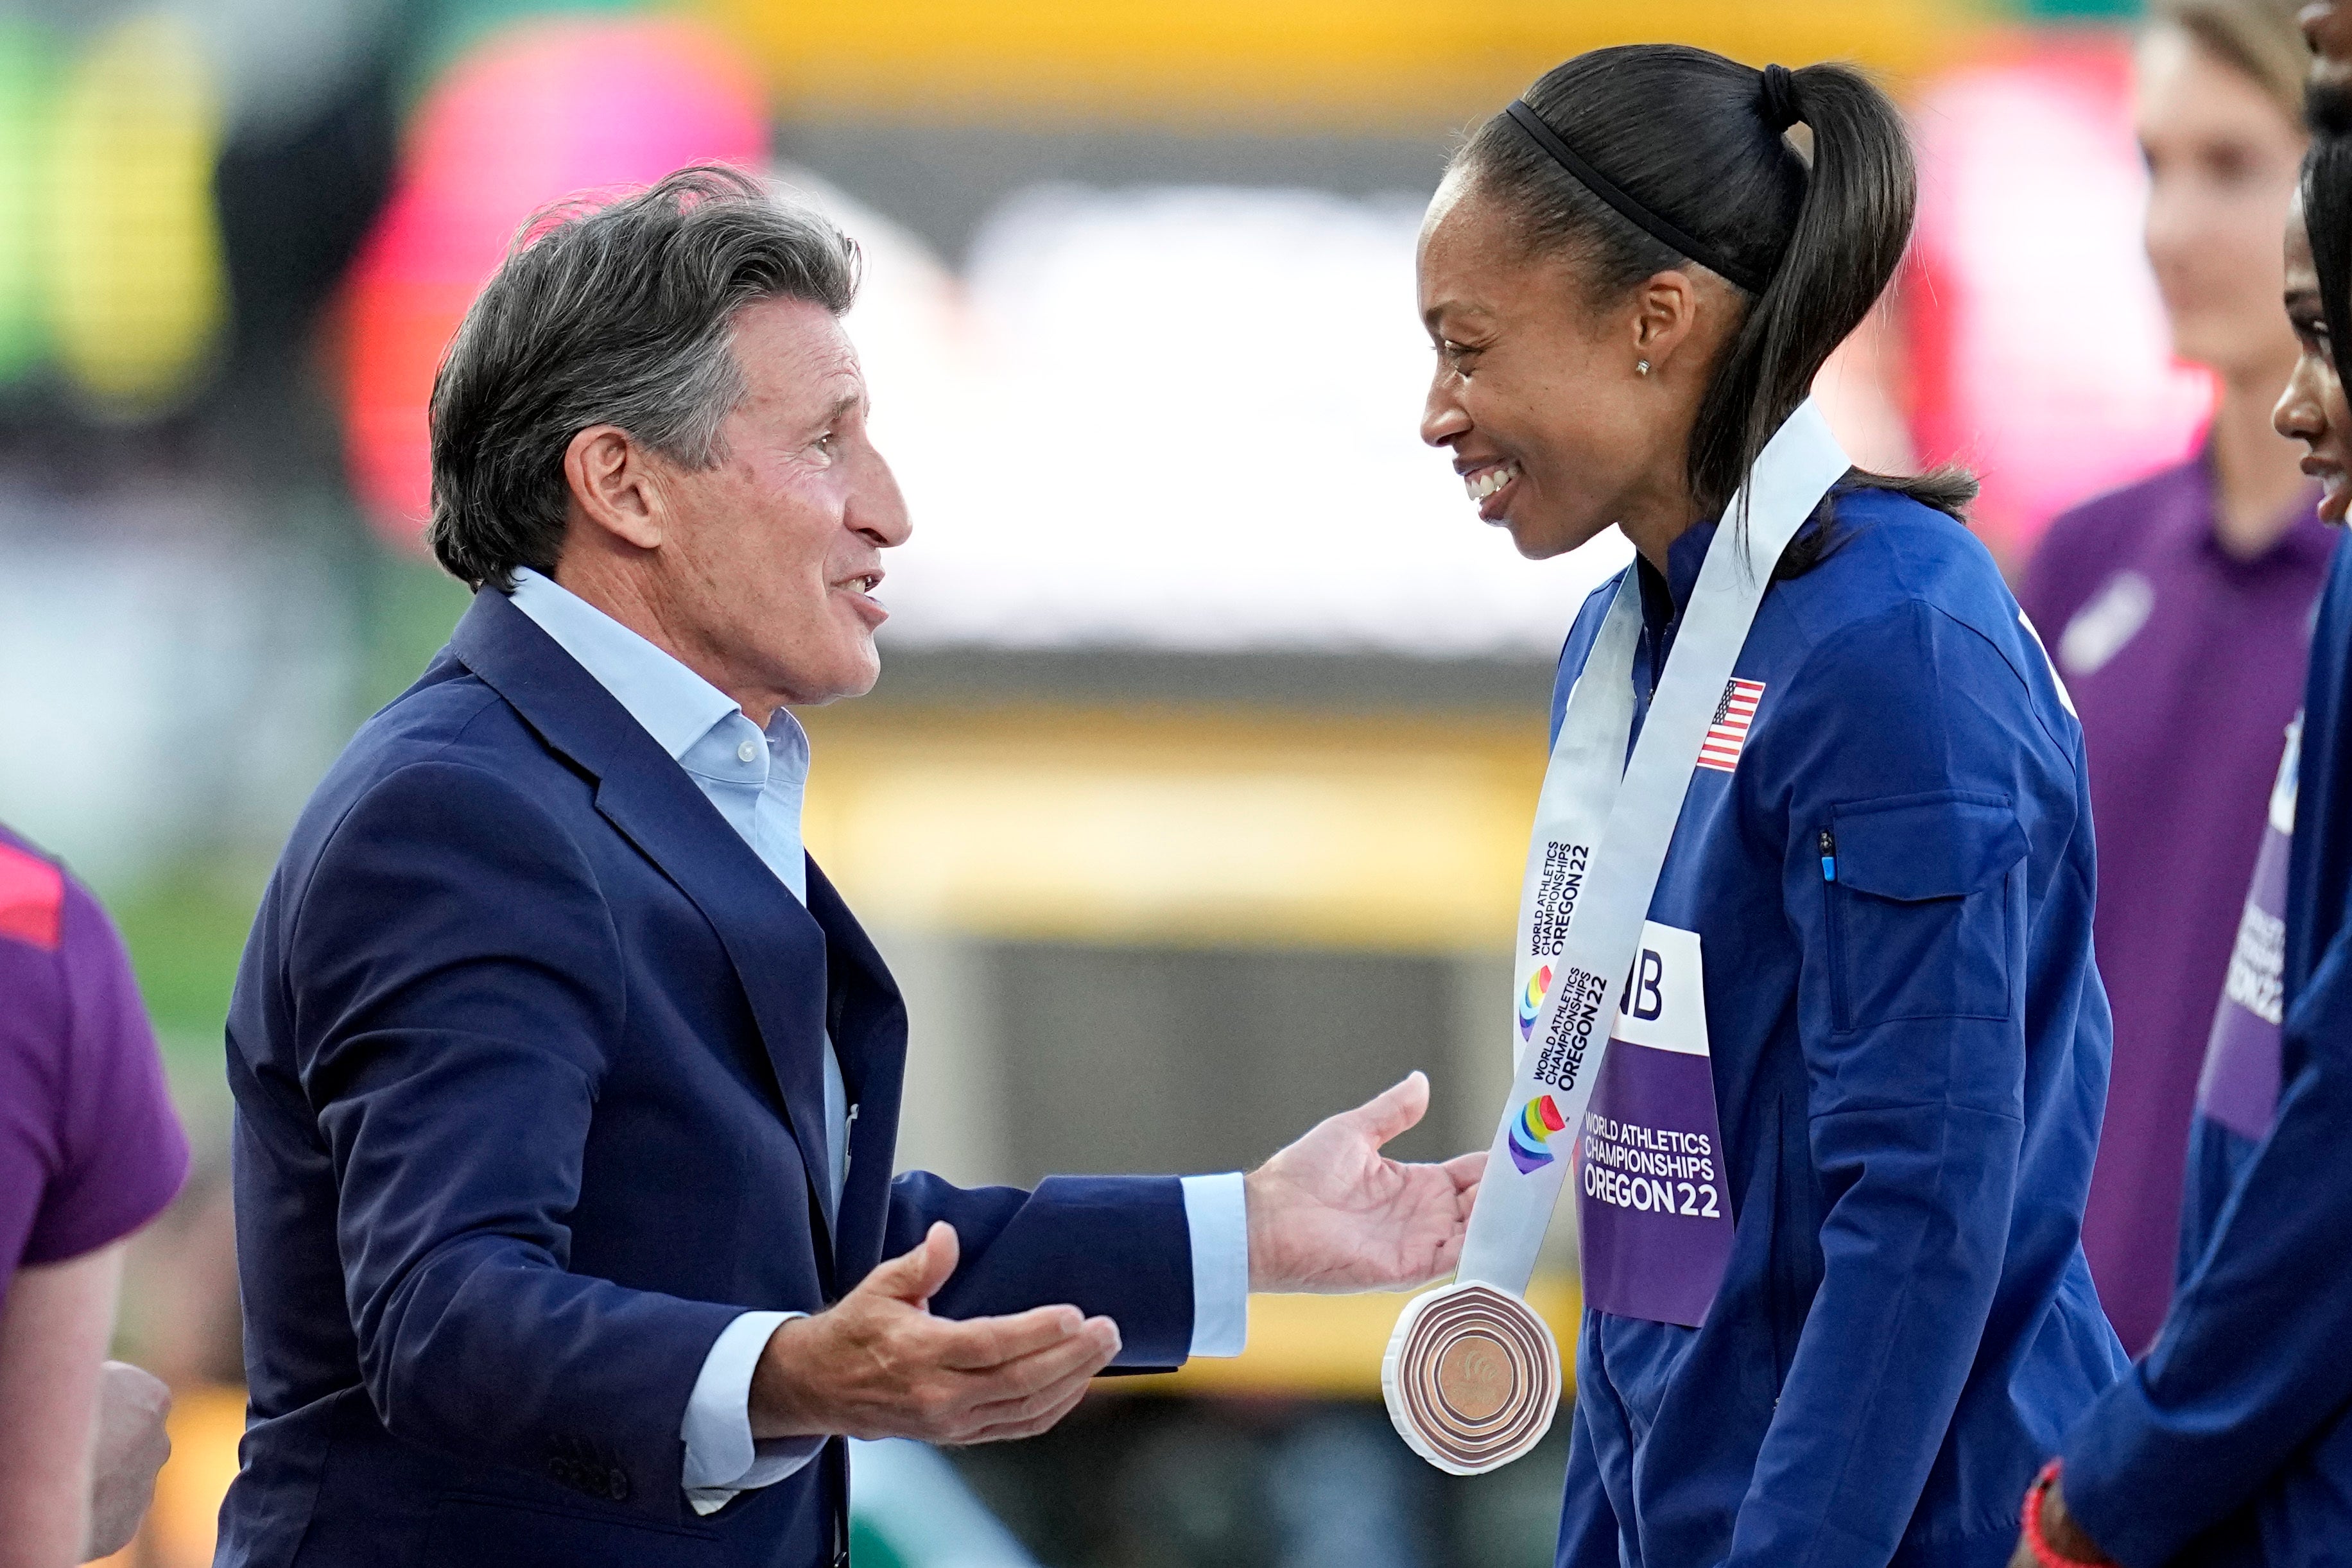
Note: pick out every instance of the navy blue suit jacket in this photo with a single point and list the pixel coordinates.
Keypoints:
(526, 1054)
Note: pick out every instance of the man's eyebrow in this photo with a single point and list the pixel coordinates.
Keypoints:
(843, 404)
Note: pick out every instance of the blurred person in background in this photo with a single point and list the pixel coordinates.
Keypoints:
(91, 1151)
(2229, 1444)
(1631, 279)
(2178, 609)
(567, 1085)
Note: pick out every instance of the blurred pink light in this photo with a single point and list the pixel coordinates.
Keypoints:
(2040, 352)
(543, 111)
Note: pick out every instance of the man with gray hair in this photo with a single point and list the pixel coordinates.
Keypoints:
(567, 1085)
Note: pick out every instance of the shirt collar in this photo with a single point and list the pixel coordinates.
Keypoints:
(674, 704)
(1665, 594)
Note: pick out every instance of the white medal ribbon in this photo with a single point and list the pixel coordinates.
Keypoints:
(1477, 1390)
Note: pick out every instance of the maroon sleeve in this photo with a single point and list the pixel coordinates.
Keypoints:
(120, 1154)
(32, 1028)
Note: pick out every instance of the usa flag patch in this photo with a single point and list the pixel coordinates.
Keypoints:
(1728, 733)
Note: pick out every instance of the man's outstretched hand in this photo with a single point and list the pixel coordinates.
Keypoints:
(1328, 1213)
(1331, 1214)
(876, 1364)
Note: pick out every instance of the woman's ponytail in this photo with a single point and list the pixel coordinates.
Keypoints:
(1850, 230)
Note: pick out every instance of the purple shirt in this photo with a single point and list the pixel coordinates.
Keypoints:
(2185, 664)
(90, 1147)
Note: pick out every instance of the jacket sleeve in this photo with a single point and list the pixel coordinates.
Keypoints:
(455, 983)
(2251, 1361)
(1912, 742)
(1589, 1535)
(1118, 1246)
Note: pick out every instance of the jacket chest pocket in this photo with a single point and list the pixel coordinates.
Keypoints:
(1918, 908)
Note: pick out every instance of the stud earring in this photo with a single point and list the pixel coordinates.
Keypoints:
(1642, 367)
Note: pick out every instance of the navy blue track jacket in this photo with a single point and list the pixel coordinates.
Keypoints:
(2231, 1442)
(1909, 1065)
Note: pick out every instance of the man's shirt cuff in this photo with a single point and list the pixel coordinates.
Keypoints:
(722, 1460)
(1217, 1215)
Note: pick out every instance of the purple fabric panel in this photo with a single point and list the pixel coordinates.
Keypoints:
(2182, 721)
(2240, 1085)
(1654, 1207)
(89, 1146)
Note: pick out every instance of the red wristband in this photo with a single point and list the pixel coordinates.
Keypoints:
(2029, 1519)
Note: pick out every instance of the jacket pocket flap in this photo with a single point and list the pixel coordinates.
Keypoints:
(1936, 846)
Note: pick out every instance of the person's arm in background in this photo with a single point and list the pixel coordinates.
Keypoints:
(1914, 739)
(90, 1150)
(53, 1329)
(2252, 1360)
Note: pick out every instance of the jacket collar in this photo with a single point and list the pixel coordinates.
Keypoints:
(771, 941)
(676, 707)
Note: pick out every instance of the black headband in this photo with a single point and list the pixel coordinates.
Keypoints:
(1634, 211)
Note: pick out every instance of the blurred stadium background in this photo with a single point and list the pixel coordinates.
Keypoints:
(1190, 804)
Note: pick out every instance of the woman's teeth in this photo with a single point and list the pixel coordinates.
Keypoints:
(1482, 485)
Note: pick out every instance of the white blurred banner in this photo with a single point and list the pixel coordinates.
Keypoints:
(1183, 418)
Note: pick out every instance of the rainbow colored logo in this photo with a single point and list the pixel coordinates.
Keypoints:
(1531, 1129)
(1532, 1003)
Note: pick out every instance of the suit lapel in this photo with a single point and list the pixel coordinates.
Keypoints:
(772, 944)
(868, 1021)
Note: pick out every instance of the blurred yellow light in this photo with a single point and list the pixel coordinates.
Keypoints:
(133, 253)
(1179, 827)
(1338, 63)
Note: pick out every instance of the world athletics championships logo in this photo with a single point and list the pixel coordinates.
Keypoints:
(1531, 1129)
(1532, 1003)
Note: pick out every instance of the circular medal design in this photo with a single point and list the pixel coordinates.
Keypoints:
(1472, 1378)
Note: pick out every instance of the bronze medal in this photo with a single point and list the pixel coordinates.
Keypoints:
(1473, 1378)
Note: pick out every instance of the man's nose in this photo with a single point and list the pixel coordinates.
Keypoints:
(877, 507)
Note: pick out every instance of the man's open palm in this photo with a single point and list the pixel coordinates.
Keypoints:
(1330, 1213)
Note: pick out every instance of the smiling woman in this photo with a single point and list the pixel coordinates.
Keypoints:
(1811, 766)
(1583, 379)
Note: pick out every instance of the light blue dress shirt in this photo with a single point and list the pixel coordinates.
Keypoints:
(757, 779)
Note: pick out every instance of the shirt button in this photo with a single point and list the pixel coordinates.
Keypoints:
(745, 752)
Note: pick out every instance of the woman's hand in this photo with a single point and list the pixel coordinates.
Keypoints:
(2065, 1536)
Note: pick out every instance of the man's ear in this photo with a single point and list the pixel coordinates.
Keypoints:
(613, 486)
(1665, 314)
